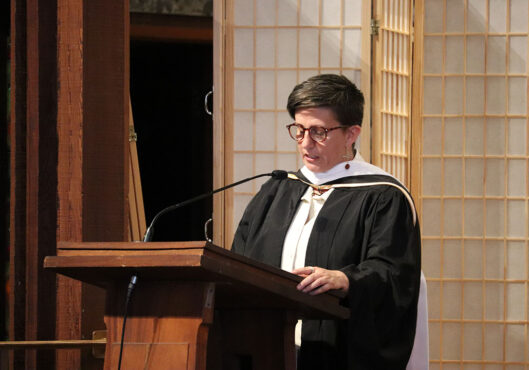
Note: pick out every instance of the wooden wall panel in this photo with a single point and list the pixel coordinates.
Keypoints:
(4, 163)
(41, 174)
(220, 48)
(105, 119)
(33, 176)
(17, 205)
(93, 50)
(69, 178)
(69, 187)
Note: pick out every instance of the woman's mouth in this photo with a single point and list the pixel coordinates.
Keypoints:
(310, 158)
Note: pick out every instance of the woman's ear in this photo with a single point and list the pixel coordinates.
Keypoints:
(352, 133)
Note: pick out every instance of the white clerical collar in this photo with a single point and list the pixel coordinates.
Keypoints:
(355, 167)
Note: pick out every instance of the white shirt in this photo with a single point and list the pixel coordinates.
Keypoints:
(297, 238)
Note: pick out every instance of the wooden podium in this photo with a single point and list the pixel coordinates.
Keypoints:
(195, 305)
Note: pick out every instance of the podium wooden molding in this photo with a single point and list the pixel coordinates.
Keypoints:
(195, 306)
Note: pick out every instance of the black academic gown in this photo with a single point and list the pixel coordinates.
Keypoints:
(369, 234)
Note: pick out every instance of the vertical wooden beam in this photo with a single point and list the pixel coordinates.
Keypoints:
(17, 207)
(365, 138)
(105, 119)
(219, 39)
(416, 106)
(376, 86)
(93, 65)
(4, 166)
(41, 174)
(227, 118)
(105, 140)
(69, 186)
(33, 176)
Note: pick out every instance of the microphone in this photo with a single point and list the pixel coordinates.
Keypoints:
(277, 174)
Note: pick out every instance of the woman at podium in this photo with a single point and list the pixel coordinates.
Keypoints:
(340, 223)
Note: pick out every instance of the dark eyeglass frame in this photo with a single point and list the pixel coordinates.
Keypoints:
(311, 131)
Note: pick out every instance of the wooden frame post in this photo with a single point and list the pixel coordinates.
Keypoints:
(93, 116)
(17, 204)
(69, 163)
(33, 175)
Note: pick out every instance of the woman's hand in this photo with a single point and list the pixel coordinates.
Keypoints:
(319, 280)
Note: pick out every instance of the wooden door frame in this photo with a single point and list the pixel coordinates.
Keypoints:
(222, 47)
(366, 142)
(416, 106)
(377, 91)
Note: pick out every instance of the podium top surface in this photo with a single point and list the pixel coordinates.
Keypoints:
(239, 281)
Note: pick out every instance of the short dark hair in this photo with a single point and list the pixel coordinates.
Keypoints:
(329, 90)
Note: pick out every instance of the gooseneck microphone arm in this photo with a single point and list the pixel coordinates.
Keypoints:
(277, 174)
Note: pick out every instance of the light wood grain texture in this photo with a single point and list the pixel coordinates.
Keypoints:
(219, 70)
(366, 137)
(228, 99)
(416, 106)
(136, 207)
(50, 344)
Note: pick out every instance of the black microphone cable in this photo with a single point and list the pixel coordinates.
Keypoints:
(130, 289)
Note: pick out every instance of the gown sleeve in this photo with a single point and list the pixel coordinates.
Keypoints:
(265, 221)
(241, 235)
(255, 217)
(384, 286)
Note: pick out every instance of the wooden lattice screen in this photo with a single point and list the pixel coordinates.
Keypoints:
(467, 165)
(392, 87)
(475, 190)
(272, 46)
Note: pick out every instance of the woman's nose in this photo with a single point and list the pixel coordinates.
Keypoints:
(306, 141)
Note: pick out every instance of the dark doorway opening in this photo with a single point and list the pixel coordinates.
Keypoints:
(169, 81)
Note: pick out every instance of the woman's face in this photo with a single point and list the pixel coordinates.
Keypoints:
(324, 155)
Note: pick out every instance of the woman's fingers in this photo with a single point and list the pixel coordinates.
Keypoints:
(307, 270)
(319, 280)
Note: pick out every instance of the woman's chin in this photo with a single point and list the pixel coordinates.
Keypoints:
(314, 167)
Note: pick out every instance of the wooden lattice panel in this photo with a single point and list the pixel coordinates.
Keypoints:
(391, 119)
(275, 45)
(475, 188)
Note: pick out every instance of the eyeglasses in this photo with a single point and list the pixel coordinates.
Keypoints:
(316, 133)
